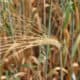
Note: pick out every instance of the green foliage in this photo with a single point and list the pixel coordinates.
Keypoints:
(75, 46)
(67, 13)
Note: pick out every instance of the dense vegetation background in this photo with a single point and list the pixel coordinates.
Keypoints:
(39, 39)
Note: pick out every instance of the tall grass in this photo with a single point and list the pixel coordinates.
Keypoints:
(27, 25)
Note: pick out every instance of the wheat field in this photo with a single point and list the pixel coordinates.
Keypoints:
(39, 39)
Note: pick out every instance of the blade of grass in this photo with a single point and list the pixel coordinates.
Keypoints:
(75, 46)
(67, 15)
